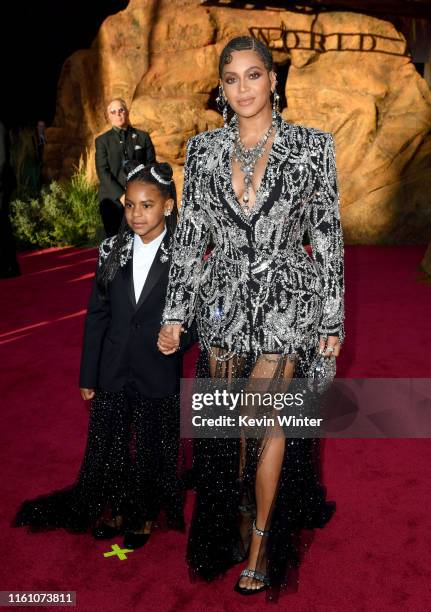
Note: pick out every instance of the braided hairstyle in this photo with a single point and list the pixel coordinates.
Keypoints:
(245, 43)
(156, 174)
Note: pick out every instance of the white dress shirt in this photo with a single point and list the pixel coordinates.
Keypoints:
(143, 257)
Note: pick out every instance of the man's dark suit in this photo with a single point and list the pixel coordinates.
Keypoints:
(113, 149)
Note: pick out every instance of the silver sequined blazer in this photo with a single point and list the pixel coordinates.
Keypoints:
(259, 291)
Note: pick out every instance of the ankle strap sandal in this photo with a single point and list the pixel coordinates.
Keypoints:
(260, 532)
(249, 573)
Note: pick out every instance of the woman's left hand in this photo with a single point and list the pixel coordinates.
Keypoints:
(330, 347)
(169, 339)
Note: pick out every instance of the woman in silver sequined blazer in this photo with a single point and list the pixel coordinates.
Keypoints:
(259, 291)
(262, 306)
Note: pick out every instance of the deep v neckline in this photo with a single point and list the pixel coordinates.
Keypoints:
(258, 201)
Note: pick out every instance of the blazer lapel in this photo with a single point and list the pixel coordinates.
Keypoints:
(221, 158)
(155, 271)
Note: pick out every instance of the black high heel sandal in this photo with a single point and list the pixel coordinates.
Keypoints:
(250, 573)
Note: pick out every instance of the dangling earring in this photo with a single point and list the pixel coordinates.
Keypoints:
(167, 212)
(275, 102)
(222, 104)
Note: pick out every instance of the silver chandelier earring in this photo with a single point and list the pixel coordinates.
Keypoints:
(275, 101)
(222, 104)
(167, 213)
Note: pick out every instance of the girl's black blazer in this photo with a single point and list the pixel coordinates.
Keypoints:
(120, 336)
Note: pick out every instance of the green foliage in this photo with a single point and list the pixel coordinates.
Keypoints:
(64, 214)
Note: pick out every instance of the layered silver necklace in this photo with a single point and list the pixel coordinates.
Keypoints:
(247, 159)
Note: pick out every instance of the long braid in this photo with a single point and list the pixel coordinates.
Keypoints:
(107, 271)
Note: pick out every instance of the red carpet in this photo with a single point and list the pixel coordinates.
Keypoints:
(373, 556)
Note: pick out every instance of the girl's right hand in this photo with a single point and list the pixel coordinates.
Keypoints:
(169, 338)
(87, 394)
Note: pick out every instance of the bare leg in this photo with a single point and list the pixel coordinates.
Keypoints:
(272, 368)
(268, 470)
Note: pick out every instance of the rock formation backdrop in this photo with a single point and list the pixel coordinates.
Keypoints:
(347, 73)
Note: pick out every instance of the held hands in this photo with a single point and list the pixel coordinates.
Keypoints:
(330, 347)
(87, 394)
(169, 339)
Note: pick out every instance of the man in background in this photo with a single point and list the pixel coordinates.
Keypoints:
(114, 149)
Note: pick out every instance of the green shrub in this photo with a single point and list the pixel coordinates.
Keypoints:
(64, 214)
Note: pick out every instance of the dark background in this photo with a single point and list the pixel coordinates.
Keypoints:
(35, 39)
(37, 36)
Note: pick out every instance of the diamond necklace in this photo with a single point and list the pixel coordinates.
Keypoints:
(247, 159)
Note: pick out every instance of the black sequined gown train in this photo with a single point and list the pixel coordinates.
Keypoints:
(260, 303)
(129, 468)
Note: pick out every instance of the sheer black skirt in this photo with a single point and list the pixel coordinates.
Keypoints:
(224, 472)
(130, 468)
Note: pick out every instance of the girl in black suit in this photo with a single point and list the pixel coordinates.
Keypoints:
(129, 472)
